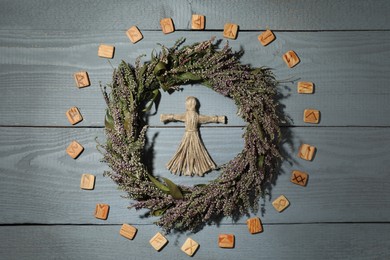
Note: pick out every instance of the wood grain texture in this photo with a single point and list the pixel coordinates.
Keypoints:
(302, 241)
(342, 213)
(348, 176)
(250, 14)
(349, 70)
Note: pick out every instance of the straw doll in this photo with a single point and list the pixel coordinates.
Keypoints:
(191, 156)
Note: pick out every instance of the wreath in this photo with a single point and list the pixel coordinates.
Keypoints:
(238, 188)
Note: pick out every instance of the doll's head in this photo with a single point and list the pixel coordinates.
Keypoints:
(191, 104)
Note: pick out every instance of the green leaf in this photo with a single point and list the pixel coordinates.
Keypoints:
(158, 212)
(155, 94)
(126, 123)
(173, 189)
(159, 185)
(189, 76)
(159, 69)
(260, 161)
(207, 84)
(109, 121)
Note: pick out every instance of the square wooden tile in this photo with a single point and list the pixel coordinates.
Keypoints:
(254, 225)
(226, 240)
(82, 79)
(190, 246)
(101, 211)
(74, 149)
(291, 59)
(158, 241)
(106, 51)
(167, 25)
(266, 37)
(74, 115)
(230, 31)
(311, 116)
(299, 178)
(281, 203)
(128, 231)
(305, 87)
(134, 34)
(198, 22)
(306, 152)
(87, 181)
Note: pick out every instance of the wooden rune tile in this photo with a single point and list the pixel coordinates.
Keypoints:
(226, 240)
(74, 149)
(299, 178)
(101, 211)
(281, 203)
(305, 87)
(74, 115)
(128, 231)
(230, 31)
(158, 241)
(266, 37)
(291, 59)
(134, 34)
(87, 181)
(311, 116)
(190, 246)
(306, 152)
(82, 79)
(254, 225)
(197, 22)
(167, 25)
(106, 51)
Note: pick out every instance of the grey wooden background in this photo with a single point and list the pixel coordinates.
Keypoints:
(344, 46)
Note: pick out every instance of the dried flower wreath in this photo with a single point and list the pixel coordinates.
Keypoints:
(240, 185)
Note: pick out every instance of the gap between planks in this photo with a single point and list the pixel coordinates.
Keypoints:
(178, 127)
(222, 224)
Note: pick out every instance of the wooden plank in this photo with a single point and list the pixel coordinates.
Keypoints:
(349, 70)
(304, 241)
(348, 175)
(250, 15)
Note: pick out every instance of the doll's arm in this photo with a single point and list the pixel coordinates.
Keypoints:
(212, 119)
(172, 117)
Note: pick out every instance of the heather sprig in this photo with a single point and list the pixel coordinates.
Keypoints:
(131, 94)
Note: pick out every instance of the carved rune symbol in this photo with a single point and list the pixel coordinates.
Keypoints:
(167, 25)
(80, 79)
(73, 115)
(87, 181)
(73, 148)
(305, 153)
(306, 85)
(226, 240)
(311, 116)
(190, 247)
(265, 36)
(133, 33)
(198, 21)
(299, 179)
(254, 225)
(281, 203)
(158, 241)
(230, 31)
